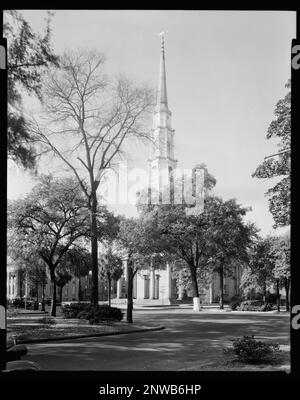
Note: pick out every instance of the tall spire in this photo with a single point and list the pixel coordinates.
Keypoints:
(162, 98)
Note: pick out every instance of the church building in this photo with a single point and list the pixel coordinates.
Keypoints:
(157, 286)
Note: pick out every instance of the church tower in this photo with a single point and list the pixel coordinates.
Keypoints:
(161, 162)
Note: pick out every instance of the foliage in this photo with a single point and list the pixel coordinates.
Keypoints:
(48, 222)
(36, 273)
(259, 273)
(201, 241)
(281, 252)
(137, 241)
(271, 298)
(235, 302)
(110, 265)
(18, 303)
(254, 305)
(92, 313)
(279, 195)
(78, 260)
(252, 351)
(29, 56)
(62, 277)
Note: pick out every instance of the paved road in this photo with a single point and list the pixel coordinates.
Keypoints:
(191, 341)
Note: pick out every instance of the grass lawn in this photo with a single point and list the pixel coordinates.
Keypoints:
(25, 328)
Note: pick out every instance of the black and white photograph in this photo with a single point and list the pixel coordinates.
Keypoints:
(148, 191)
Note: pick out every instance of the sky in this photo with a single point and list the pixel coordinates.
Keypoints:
(226, 70)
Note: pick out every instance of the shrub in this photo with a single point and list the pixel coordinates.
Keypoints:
(272, 298)
(235, 302)
(266, 307)
(251, 305)
(253, 351)
(92, 313)
(18, 303)
(73, 310)
(47, 321)
(255, 305)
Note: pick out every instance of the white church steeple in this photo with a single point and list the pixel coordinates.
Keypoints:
(161, 161)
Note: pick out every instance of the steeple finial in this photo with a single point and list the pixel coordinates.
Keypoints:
(162, 36)
(162, 83)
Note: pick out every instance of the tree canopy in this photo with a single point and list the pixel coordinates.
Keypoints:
(50, 220)
(279, 166)
(29, 55)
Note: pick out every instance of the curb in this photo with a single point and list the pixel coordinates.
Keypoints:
(60, 338)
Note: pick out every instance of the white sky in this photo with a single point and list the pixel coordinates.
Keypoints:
(225, 73)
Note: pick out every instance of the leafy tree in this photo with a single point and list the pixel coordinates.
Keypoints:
(181, 273)
(29, 55)
(79, 262)
(260, 273)
(95, 117)
(282, 270)
(63, 277)
(111, 268)
(182, 237)
(136, 239)
(204, 242)
(30, 266)
(37, 276)
(279, 195)
(48, 222)
(228, 238)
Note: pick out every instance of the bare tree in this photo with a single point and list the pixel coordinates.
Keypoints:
(89, 118)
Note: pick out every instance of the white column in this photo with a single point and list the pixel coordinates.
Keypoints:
(180, 292)
(119, 288)
(210, 293)
(169, 281)
(152, 283)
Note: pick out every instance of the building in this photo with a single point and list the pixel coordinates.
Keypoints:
(152, 286)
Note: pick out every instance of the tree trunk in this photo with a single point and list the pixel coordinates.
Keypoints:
(94, 249)
(43, 297)
(130, 276)
(79, 289)
(196, 299)
(221, 300)
(278, 295)
(265, 293)
(109, 291)
(21, 275)
(287, 294)
(53, 300)
(37, 295)
(60, 289)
